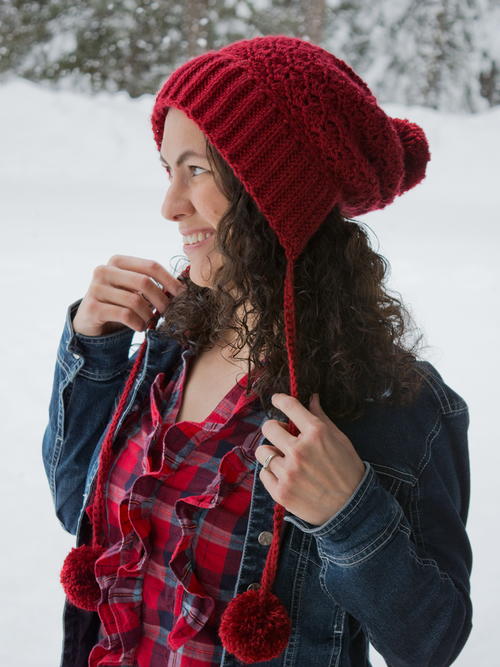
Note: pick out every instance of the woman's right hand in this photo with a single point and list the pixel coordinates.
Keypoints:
(113, 300)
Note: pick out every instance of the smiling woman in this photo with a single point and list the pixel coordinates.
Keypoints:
(193, 200)
(317, 485)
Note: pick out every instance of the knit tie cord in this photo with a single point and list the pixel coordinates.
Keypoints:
(255, 625)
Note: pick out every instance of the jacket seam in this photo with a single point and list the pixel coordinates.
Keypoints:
(415, 491)
(415, 516)
(296, 600)
(59, 436)
(338, 636)
(102, 340)
(447, 405)
(431, 436)
(428, 562)
(415, 502)
(102, 376)
(395, 473)
(322, 576)
(65, 366)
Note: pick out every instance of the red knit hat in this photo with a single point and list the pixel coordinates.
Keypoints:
(303, 133)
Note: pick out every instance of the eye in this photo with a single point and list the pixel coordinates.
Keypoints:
(192, 166)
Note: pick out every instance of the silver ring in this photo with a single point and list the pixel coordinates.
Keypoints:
(268, 460)
(158, 284)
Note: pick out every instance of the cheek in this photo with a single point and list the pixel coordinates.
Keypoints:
(214, 204)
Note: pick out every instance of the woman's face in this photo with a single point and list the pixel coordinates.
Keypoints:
(193, 199)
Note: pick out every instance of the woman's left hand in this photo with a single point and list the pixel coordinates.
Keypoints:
(315, 472)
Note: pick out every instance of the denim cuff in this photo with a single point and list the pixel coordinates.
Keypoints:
(96, 357)
(327, 525)
(367, 514)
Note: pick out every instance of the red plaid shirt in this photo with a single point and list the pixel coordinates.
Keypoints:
(178, 497)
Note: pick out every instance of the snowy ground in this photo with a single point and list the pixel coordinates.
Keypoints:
(80, 181)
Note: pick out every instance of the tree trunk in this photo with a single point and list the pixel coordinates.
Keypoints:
(314, 20)
(193, 29)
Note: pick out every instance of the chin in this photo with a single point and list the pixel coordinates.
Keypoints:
(201, 274)
(196, 277)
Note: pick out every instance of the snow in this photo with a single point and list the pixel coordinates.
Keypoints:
(81, 181)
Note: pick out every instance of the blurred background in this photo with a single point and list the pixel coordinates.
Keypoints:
(443, 54)
(80, 181)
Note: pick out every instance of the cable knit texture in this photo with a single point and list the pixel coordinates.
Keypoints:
(300, 129)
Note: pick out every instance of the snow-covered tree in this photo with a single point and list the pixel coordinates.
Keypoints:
(439, 53)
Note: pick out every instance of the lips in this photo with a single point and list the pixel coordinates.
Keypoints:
(188, 246)
(184, 231)
(194, 237)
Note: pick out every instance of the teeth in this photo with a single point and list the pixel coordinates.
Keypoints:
(196, 238)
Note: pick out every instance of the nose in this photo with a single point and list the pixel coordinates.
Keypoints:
(176, 204)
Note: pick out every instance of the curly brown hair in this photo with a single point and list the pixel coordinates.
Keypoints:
(350, 332)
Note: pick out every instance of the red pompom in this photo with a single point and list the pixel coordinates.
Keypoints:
(255, 627)
(415, 150)
(78, 578)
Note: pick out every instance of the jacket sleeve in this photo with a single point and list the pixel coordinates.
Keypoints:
(406, 577)
(89, 373)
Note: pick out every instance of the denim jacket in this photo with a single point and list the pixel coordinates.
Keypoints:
(391, 567)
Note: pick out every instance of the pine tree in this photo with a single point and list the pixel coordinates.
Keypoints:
(439, 53)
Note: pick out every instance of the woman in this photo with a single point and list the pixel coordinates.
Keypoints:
(353, 530)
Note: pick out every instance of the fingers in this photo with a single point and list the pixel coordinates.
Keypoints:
(276, 464)
(125, 291)
(277, 432)
(122, 299)
(135, 285)
(112, 313)
(150, 268)
(139, 284)
(296, 412)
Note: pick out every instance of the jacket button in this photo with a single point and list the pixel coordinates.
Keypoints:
(265, 538)
(253, 587)
(77, 356)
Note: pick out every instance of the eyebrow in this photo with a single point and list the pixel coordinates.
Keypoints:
(182, 157)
